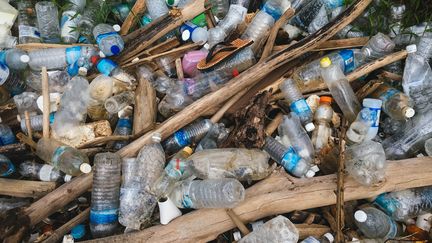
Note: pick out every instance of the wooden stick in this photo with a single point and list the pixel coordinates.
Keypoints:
(237, 221)
(58, 234)
(391, 76)
(28, 125)
(46, 103)
(274, 31)
(334, 44)
(145, 105)
(103, 140)
(132, 18)
(274, 124)
(210, 19)
(220, 113)
(315, 230)
(179, 68)
(340, 217)
(280, 194)
(36, 46)
(24, 188)
(25, 139)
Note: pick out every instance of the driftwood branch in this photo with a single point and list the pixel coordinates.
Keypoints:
(145, 106)
(333, 44)
(24, 188)
(132, 18)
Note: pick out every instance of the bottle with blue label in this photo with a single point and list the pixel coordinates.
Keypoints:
(78, 231)
(15, 59)
(7, 168)
(374, 105)
(105, 194)
(69, 21)
(297, 103)
(110, 68)
(109, 41)
(28, 31)
(326, 238)
(6, 135)
(123, 128)
(276, 8)
(211, 193)
(358, 130)
(374, 223)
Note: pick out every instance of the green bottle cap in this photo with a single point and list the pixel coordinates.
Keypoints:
(200, 20)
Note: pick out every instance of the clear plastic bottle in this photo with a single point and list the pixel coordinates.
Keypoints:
(6, 134)
(123, 128)
(220, 8)
(118, 102)
(258, 29)
(378, 46)
(340, 89)
(62, 157)
(406, 204)
(109, 68)
(297, 103)
(57, 80)
(57, 58)
(241, 61)
(48, 21)
(288, 158)
(11, 81)
(396, 104)
(10, 203)
(322, 118)
(239, 163)
(373, 223)
(187, 135)
(42, 172)
(87, 22)
(26, 101)
(358, 130)
(326, 238)
(101, 88)
(6, 38)
(217, 134)
(211, 193)
(108, 40)
(397, 12)
(374, 105)
(36, 123)
(69, 21)
(14, 58)
(428, 147)
(7, 168)
(28, 31)
(105, 194)
(156, 8)
(366, 162)
(292, 129)
(278, 229)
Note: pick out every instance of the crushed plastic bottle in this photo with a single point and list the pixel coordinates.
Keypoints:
(216, 135)
(278, 229)
(358, 130)
(57, 80)
(11, 81)
(28, 31)
(241, 61)
(7, 168)
(156, 8)
(42, 172)
(397, 12)
(322, 117)
(123, 128)
(15, 59)
(26, 101)
(48, 21)
(118, 102)
(373, 223)
(108, 40)
(378, 46)
(258, 29)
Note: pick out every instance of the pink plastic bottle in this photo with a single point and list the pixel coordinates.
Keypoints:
(190, 61)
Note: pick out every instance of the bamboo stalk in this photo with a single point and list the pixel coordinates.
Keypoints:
(138, 8)
(103, 140)
(46, 103)
(210, 19)
(58, 234)
(24, 188)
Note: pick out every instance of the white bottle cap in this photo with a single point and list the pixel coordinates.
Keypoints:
(68, 239)
(67, 178)
(409, 112)
(168, 211)
(101, 54)
(186, 35)
(24, 58)
(156, 137)
(315, 168)
(116, 27)
(310, 174)
(411, 48)
(85, 168)
(207, 46)
(237, 236)
(310, 127)
(360, 216)
(82, 71)
(424, 221)
(329, 237)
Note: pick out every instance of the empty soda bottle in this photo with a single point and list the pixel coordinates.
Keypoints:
(62, 157)
(322, 117)
(278, 229)
(188, 135)
(42, 172)
(105, 194)
(378, 46)
(374, 105)
(340, 89)
(239, 163)
(14, 58)
(28, 31)
(358, 130)
(6, 134)
(297, 103)
(108, 40)
(396, 104)
(118, 102)
(326, 238)
(366, 162)
(288, 158)
(11, 81)
(7, 168)
(217, 134)
(48, 21)
(69, 21)
(109, 68)
(406, 204)
(211, 193)
(373, 223)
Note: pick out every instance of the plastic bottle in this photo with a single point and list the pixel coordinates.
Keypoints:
(118, 102)
(105, 194)
(69, 21)
(87, 22)
(258, 29)
(220, 8)
(395, 103)
(14, 58)
(6, 38)
(7, 168)
(196, 34)
(28, 31)
(373, 223)
(101, 88)
(428, 147)
(123, 128)
(42, 172)
(187, 135)
(156, 8)
(57, 80)
(211, 193)
(326, 238)
(11, 81)
(288, 158)
(374, 105)
(241, 61)
(26, 101)
(424, 221)
(358, 130)
(108, 40)
(378, 46)
(48, 21)
(406, 204)
(217, 134)
(109, 68)
(6, 134)
(322, 118)
(297, 103)
(62, 157)
(36, 123)
(291, 128)
(190, 61)
(340, 89)
(397, 12)
(278, 229)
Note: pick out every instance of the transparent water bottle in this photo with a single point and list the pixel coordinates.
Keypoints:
(366, 162)
(406, 204)
(395, 103)
(108, 40)
(28, 31)
(7, 168)
(87, 22)
(220, 8)
(241, 61)
(216, 135)
(26, 101)
(42, 172)
(187, 135)
(297, 103)
(156, 8)
(340, 89)
(378, 46)
(373, 223)
(69, 21)
(53, 58)
(292, 129)
(358, 130)
(14, 58)
(326, 238)
(258, 29)
(288, 158)
(109, 68)
(118, 102)
(11, 81)
(62, 157)
(211, 193)
(36, 123)
(123, 128)
(239, 163)
(105, 194)
(6, 135)
(322, 117)
(374, 105)
(57, 80)
(278, 229)
(48, 21)
(397, 12)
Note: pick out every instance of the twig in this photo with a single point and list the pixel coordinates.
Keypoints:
(46, 103)
(238, 222)
(103, 140)
(274, 124)
(138, 8)
(391, 76)
(28, 125)
(340, 217)
(211, 21)
(220, 113)
(333, 44)
(25, 139)
(179, 68)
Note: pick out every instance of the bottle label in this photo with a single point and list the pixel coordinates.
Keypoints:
(123, 122)
(58, 152)
(187, 201)
(106, 66)
(69, 22)
(181, 138)
(73, 54)
(374, 116)
(332, 4)
(273, 11)
(290, 159)
(100, 37)
(6, 167)
(187, 27)
(300, 107)
(348, 58)
(103, 216)
(189, 86)
(388, 94)
(4, 73)
(45, 173)
(28, 31)
(175, 168)
(3, 57)
(73, 69)
(388, 204)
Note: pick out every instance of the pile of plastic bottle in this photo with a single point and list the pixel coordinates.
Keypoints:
(191, 169)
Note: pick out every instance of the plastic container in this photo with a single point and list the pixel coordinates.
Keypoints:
(36, 123)
(123, 128)
(212, 193)
(340, 89)
(358, 130)
(241, 61)
(14, 58)
(58, 58)
(156, 8)
(258, 29)
(26, 101)
(6, 135)
(48, 21)
(374, 105)
(42, 172)
(7, 168)
(395, 103)
(220, 8)
(397, 12)
(297, 103)
(378, 46)
(118, 102)
(428, 147)
(87, 22)
(28, 31)
(105, 194)
(109, 68)
(278, 229)
(108, 40)
(196, 34)
(190, 61)
(69, 21)
(373, 223)
(216, 135)
(276, 8)
(11, 81)
(322, 117)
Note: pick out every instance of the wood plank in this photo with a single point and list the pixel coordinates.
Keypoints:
(24, 188)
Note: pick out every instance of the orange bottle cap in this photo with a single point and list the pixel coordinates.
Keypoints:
(325, 99)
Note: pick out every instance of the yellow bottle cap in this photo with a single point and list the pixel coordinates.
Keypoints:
(188, 150)
(325, 62)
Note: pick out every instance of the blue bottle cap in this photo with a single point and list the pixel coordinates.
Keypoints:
(115, 49)
(78, 231)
